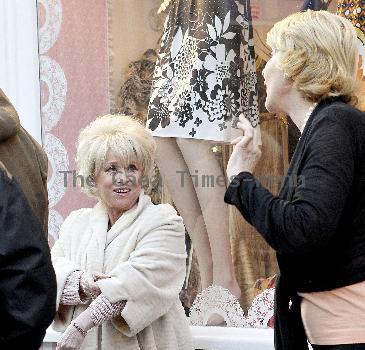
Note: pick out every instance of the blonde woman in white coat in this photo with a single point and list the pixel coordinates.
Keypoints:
(120, 265)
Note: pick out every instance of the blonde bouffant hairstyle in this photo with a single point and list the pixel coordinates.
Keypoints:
(318, 52)
(122, 135)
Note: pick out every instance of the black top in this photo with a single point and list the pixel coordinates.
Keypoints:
(27, 279)
(317, 222)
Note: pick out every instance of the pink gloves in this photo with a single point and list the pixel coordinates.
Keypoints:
(88, 285)
(75, 333)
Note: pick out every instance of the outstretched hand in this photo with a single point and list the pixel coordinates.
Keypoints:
(246, 151)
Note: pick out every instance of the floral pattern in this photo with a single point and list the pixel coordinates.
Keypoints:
(354, 11)
(205, 75)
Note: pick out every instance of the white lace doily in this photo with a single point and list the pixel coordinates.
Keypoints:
(218, 300)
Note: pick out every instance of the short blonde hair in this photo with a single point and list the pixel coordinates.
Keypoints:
(318, 52)
(125, 137)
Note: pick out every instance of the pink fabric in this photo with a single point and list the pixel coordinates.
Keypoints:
(336, 316)
(82, 52)
(101, 309)
(71, 291)
(74, 61)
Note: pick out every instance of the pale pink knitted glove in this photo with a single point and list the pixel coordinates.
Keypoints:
(88, 285)
(71, 339)
(75, 333)
(71, 291)
(101, 309)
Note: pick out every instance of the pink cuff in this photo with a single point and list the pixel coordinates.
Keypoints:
(101, 309)
(70, 294)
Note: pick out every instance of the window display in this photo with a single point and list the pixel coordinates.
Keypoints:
(186, 70)
(204, 79)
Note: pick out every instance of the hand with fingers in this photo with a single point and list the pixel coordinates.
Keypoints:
(76, 332)
(246, 151)
(71, 339)
(88, 285)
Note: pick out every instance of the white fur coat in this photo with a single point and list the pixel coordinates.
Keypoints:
(144, 253)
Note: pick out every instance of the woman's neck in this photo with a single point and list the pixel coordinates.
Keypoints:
(114, 215)
(297, 108)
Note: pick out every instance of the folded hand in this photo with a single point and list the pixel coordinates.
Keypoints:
(88, 285)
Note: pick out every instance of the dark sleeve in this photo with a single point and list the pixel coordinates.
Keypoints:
(9, 119)
(310, 219)
(43, 169)
(27, 279)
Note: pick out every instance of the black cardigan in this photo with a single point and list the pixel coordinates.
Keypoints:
(317, 222)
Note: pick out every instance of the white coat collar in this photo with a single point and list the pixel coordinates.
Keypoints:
(99, 219)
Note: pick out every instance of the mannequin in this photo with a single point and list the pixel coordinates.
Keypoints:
(200, 40)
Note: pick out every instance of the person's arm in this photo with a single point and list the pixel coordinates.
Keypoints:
(27, 279)
(80, 287)
(63, 266)
(99, 311)
(141, 289)
(310, 219)
(150, 281)
(42, 160)
(71, 292)
(9, 119)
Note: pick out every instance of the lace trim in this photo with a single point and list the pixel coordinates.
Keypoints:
(218, 300)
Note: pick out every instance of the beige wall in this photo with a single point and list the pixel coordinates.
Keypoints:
(271, 12)
(134, 27)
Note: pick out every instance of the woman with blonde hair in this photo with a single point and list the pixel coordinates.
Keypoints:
(120, 265)
(317, 222)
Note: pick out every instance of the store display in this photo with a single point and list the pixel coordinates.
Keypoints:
(354, 11)
(205, 75)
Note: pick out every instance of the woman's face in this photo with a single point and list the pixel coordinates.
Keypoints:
(118, 187)
(277, 86)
